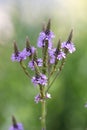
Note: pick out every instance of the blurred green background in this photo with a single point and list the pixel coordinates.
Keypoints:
(66, 110)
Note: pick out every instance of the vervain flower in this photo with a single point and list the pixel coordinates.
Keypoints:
(18, 57)
(40, 80)
(23, 54)
(16, 126)
(38, 97)
(51, 53)
(59, 56)
(70, 46)
(28, 52)
(43, 36)
(38, 61)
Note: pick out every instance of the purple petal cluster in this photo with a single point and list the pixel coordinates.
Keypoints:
(23, 54)
(38, 97)
(19, 126)
(61, 55)
(38, 61)
(20, 56)
(40, 80)
(28, 52)
(52, 54)
(70, 46)
(43, 36)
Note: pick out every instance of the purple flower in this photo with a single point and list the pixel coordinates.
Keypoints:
(28, 52)
(15, 57)
(40, 80)
(18, 126)
(38, 97)
(53, 55)
(23, 54)
(38, 61)
(18, 57)
(70, 46)
(61, 55)
(42, 37)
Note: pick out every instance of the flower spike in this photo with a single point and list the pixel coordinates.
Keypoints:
(27, 44)
(15, 48)
(58, 47)
(16, 126)
(70, 36)
(48, 27)
(14, 122)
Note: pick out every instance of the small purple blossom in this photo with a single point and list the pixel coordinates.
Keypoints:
(38, 97)
(61, 55)
(15, 57)
(38, 61)
(70, 46)
(43, 36)
(41, 79)
(52, 53)
(18, 126)
(20, 56)
(28, 52)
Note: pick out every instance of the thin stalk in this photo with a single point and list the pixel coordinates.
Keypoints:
(57, 74)
(24, 69)
(43, 116)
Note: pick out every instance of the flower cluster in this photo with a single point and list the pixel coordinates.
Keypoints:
(44, 67)
(40, 79)
(56, 56)
(39, 62)
(51, 63)
(38, 97)
(22, 55)
(16, 126)
(45, 36)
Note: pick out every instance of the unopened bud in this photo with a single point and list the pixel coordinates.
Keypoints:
(14, 122)
(58, 47)
(70, 36)
(48, 27)
(15, 48)
(27, 44)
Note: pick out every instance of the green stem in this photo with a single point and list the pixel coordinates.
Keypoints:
(45, 57)
(57, 74)
(24, 69)
(43, 116)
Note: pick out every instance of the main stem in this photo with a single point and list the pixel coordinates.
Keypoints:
(43, 116)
